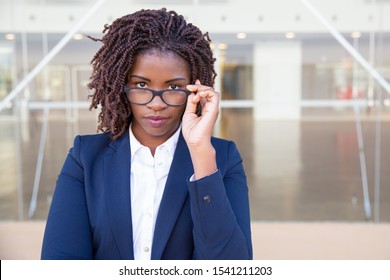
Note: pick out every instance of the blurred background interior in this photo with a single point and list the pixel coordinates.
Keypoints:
(305, 96)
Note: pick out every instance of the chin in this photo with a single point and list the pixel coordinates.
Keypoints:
(153, 131)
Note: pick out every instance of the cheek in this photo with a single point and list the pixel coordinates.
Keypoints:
(135, 110)
(181, 112)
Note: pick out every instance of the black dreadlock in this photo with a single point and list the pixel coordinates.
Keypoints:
(138, 33)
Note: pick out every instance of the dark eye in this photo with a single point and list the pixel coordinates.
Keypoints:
(141, 84)
(174, 86)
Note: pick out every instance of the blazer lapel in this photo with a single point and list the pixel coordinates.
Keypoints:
(117, 187)
(174, 196)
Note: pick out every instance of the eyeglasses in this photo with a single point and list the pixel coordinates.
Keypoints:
(142, 96)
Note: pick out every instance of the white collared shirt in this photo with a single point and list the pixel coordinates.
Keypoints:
(147, 180)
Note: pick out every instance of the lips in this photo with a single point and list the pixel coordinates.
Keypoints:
(156, 121)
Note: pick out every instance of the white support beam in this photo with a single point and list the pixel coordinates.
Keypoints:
(50, 55)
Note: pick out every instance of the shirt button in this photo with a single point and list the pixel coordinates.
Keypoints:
(149, 215)
(159, 163)
(146, 249)
(206, 199)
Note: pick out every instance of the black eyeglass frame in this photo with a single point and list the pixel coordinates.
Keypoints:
(155, 93)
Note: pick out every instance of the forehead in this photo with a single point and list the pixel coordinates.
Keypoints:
(155, 59)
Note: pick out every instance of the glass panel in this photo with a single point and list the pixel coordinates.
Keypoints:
(6, 72)
(236, 70)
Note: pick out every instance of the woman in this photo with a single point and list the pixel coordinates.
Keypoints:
(155, 184)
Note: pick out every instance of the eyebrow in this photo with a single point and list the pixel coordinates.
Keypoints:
(140, 77)
(176, 79)
(168, 81)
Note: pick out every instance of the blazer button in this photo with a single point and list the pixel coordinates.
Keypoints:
(206, 199)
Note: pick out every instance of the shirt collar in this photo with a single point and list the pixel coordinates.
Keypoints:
(170, 144)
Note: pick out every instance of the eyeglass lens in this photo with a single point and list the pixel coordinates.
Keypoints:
(144, 96)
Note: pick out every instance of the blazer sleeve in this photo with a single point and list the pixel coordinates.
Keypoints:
(68, 233)
(220, 212)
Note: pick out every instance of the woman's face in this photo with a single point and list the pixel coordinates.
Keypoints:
(155, 122)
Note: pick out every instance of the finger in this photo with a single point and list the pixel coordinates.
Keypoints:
(203, 102)
(203, 96)
(191, 104)
(206, 93)
(209, 95)
(197, 86)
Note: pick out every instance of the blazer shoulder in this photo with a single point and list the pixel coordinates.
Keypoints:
(220, 143)
(96, 138)
(226, 150)
(93, 141)
(90, 146)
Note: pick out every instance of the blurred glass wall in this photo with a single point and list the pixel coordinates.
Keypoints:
(311, 122)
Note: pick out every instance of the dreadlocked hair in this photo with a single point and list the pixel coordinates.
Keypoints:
(134, 34)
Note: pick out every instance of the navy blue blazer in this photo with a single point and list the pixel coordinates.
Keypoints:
(90, 214)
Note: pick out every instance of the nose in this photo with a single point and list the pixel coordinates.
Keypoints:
(156, 104)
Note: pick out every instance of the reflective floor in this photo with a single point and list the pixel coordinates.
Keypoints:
(307, 170)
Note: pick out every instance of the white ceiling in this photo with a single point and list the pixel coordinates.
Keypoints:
(217, 16)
